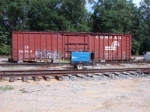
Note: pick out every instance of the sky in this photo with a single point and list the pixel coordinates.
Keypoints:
(136, 2)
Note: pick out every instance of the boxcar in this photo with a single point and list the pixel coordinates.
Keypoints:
(44, 46)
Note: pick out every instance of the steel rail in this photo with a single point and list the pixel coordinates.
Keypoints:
(24, 73)
(54, 64)
(58, 74)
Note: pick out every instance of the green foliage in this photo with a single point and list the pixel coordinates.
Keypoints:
(136, 31)
(145, 13)
(5, 48)
(135, 47)
(112, 16)
(75, 15)
(15, 14)
(109, 16)
(44, 15)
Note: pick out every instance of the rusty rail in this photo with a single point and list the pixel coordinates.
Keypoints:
(56, 64)
(59, 73)
(64, 72)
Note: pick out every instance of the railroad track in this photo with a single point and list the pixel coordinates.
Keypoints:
(59, 74)
(32, 64)
(56, 64)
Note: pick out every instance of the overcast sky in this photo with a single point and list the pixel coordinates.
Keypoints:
(136, 2)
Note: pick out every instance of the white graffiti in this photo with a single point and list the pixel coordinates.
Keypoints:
(113, 46)
(47, 54)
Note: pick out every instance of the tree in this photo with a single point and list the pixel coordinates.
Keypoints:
(5, 47)
(75, 15)
(44, 15)
(136, 31)
(145, 10)
(113, 16)
(13, 16)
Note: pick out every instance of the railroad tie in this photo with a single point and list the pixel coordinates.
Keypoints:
(98, 74)
(117, 73)
(89, 75)
(70, 76)
(80, 75)
(60, 78)
(24, 79)
(133, 73)
(107, 74)
(47, 78)
(12, 79)
(126, 73)
(36, 78)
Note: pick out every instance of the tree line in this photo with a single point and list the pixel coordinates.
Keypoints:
(108, 16)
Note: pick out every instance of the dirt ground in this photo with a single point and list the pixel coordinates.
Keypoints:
(122, 95)
(110, 95)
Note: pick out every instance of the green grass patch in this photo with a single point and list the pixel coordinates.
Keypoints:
(6, 88)
(64, 61)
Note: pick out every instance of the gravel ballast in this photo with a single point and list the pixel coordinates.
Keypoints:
(123, 95)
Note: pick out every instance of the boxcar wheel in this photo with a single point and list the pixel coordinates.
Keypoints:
(79, 66)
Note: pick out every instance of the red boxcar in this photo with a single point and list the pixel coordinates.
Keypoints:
(44, 46)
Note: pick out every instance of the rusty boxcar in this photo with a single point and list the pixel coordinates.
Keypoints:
(44, 46)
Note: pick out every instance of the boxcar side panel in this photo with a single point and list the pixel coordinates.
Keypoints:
(14, 47)
(59, 49)
(24, 45)
(20, 48)
(33, 46)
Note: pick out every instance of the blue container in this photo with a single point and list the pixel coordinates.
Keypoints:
(80, 57)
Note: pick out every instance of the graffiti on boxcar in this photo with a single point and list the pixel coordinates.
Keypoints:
(47, 54)
(28, 52)
(113, 46)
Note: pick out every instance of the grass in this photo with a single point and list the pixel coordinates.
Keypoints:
(5, 88)
(64, 61)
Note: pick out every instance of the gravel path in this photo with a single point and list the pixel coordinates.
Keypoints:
(125, 95)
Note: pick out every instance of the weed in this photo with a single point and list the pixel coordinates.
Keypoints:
(6, 88)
